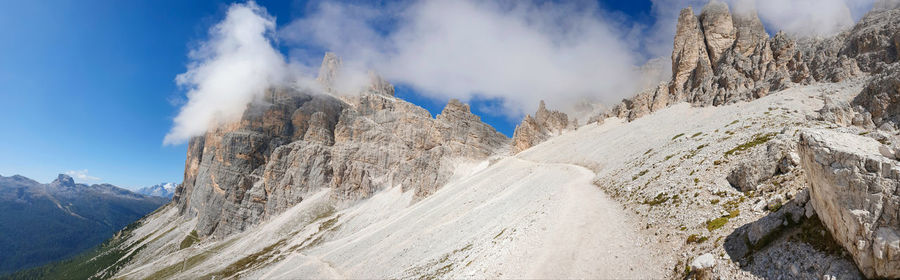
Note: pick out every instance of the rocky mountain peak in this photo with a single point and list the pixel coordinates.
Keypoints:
(328, 72)
(534, 130)
(718, 28)
(300, 143)
(749, 30)
(63, 180)
(454, 105)
(378, 85)
(720, 58)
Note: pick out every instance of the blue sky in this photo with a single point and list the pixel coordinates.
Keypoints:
(86, 86)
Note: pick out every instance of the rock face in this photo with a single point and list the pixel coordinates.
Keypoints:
(690, 59)
(718, 28)
(881, 97)
(720, 58)
(534, 130)
(854, 190)
(749, 31)
(873, 41)
(295, 143)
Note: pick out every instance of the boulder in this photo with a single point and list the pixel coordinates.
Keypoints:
(779, 157)
(854, 190)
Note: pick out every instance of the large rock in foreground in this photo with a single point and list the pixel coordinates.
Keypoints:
(854, 190)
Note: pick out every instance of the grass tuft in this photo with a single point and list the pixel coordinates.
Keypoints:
(757, 139)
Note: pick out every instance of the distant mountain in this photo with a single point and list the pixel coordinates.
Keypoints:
(166, 190)
(41, 223)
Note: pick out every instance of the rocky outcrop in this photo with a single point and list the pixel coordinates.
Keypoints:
(881, 97)
(295, 143)
(328, 72)
(690, 59)
(534, 130)
(749, 31)
(872, 42)
(780, 157)
(718, 29)
(854, 190)
(720, 58)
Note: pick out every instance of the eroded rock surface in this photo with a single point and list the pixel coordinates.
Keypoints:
(720, 58)
(854, 190)
(881, 97)
(295, 142)
(534, 130)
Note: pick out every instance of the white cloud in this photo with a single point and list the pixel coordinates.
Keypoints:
(233, 67)
(81, 175)
(806, 17)
(515, 52)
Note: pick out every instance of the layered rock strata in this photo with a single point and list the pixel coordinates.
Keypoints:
(721, 57)
(294, 143)
(534, 130)
(854, 190)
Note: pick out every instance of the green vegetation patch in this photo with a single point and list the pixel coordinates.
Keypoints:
(696, 239)
(757, 139)
(247, 262)
(101, 262)
(676, 136)
(659, 199)
(642, 173)
(189, 240)
(716, 223)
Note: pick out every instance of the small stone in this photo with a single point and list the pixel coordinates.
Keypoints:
(887, 152)
(703, 262)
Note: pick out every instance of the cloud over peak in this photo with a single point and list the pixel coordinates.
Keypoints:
(234, 66)
(81, 175)
(513, 52)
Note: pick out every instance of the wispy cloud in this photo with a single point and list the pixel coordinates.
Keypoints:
(81, 175)
(234, 66)
(517, 52)
(514, 52)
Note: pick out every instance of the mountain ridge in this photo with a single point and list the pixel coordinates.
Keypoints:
(42, 223)
(707, 173)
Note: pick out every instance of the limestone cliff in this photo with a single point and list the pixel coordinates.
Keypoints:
(720, 58)
(295, 142)
(534, 130)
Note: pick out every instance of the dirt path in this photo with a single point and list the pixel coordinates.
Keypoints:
(591, 236)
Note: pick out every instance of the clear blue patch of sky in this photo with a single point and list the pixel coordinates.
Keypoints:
(89, 84)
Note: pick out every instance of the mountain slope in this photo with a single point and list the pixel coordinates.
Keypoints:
(41, 223)
(541, 213)
(365, 185)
